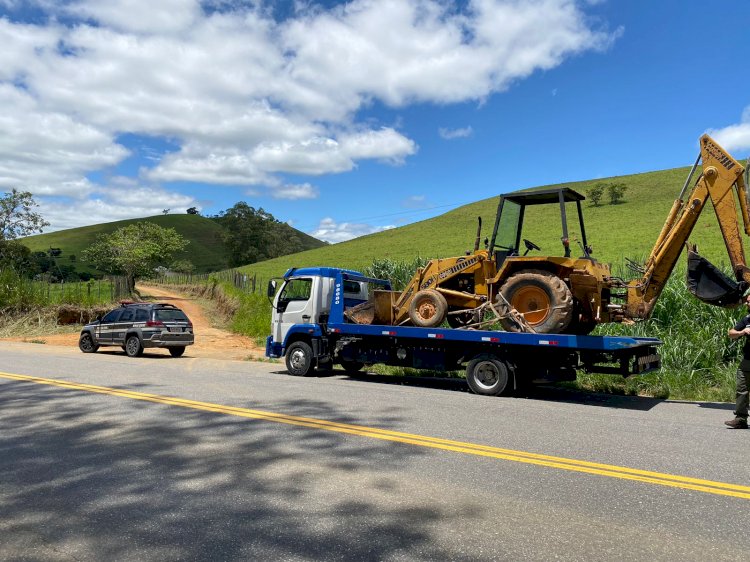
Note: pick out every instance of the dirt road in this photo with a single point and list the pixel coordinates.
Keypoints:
(209, 341)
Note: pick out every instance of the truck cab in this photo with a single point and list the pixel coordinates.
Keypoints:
(301, 303)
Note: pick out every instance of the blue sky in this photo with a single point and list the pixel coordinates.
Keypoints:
(345, 118)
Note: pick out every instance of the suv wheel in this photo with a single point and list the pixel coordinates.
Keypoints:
(133, 346)
(177, 351)
(86, 343)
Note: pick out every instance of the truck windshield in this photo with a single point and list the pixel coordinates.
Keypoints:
(296, 290)
(507, 231)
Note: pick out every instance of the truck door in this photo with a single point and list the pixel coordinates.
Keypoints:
(295, 306)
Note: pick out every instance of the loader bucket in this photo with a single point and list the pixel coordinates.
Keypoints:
(707, 283)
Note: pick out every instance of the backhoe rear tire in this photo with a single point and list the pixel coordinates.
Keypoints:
(544, 300)
(428, 309)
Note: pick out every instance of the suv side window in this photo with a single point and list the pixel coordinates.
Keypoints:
(141, 315)
(127, 315)
(111, 316)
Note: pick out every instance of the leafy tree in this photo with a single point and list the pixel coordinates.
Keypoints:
(134, 250)
(253, 235)
(17, 217)
(14, 255)
(192, 211)
(616, 192)
(595, 194)
(182, 266)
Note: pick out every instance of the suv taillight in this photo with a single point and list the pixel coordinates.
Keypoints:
(152, 323)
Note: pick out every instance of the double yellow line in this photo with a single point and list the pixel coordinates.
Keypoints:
(612, 471)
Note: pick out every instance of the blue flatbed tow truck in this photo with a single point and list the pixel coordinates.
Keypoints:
(311, 330)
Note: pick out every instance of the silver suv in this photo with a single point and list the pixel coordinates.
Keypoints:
(135, 326)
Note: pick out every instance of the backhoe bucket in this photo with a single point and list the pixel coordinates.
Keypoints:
(710, 285)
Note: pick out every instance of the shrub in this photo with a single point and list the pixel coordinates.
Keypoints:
(616, 192)
(596, 193)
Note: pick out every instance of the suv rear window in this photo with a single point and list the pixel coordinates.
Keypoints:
(170, 314)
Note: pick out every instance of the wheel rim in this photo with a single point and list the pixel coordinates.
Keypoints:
(132, 346)
(487, 375)
(87, 343)
(426, 309)
(298, 359)
(533, 302)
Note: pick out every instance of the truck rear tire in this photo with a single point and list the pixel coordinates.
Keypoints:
(299, 359)
(428, 308)
(488, 375)
(544, 300)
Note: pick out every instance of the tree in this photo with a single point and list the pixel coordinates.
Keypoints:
(182, 266)
(616, 192)
(595, 194)
(165, 211)
(192, 211)
(17, 217)
(134, 250)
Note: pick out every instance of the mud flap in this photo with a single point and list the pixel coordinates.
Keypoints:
(707, 283)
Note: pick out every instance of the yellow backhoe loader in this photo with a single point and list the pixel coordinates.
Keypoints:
(551, 294)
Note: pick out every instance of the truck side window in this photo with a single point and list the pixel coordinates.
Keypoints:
(296, 290)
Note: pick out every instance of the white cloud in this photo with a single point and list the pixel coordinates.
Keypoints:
(735, 137)
(123, 199)
(245, 97)
(451, 134)
(333, 232)
(300, 191)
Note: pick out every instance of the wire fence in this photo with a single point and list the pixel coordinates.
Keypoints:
(245, 282)
(17, 291)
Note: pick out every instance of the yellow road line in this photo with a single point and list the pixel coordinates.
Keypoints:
(612, 471)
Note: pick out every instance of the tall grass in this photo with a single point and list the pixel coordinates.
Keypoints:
(18, 293)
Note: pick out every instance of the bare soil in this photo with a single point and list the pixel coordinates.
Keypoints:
(210, 342)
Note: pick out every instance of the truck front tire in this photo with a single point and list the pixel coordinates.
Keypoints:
(489, 376)
(299, 359)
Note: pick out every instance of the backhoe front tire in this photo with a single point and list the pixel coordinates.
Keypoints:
(544, 300)
(428, 308)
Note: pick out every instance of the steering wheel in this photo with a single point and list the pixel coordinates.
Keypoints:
(530, 246)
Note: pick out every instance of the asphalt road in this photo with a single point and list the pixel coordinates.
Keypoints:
(253, 464)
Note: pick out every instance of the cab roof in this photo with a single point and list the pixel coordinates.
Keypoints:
(319, 272)
(543, 196)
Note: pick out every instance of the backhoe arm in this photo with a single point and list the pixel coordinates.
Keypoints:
(721, 176)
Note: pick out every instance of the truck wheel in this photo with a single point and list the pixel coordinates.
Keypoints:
(488, 375)
(543, 298)
(86, 343)
(428, 308)
(133, 347)
(299, 359)
(177, 351)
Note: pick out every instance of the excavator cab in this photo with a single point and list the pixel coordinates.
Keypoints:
(506, 236)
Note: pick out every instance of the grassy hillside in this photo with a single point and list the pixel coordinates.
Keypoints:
(628, 229)
(205, 251)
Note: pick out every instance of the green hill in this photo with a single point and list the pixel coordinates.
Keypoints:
(206, 251)
(628, 229)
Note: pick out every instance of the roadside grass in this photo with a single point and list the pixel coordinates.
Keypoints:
(35, 323)
(19, 294)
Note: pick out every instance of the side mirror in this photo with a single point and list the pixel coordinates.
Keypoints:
(271, 291)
